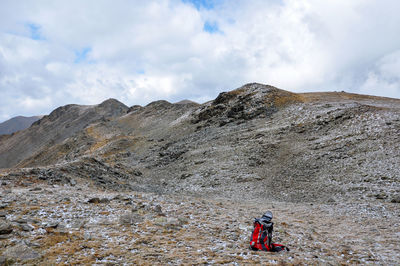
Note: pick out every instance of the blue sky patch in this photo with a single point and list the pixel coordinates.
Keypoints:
(34, 31)
(211, 27)
(207, 4)
(81, 55)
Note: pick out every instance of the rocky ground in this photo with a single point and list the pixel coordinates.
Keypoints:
(46, 224)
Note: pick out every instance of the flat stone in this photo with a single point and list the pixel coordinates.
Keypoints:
(21, 252)
(5, 228)
(36, 189)
(27, 227)
(52, 224)
(78, 224)
(160, 221)
(21, 221)
(5, 237)
(130, 218)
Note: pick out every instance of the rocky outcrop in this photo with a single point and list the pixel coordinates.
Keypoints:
(245, 103)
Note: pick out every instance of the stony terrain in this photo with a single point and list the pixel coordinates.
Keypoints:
(180, 183)
(53, 224)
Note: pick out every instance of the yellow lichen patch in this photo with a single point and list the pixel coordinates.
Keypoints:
(53, 238)
(56, 244)
(337, 96)
(101, 141)
(289, 98)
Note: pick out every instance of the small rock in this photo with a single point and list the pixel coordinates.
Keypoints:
(21, 252)
(183, 220)
(27, 227)
(52, 225)
(3, 214)
(35, 189)
(94, 200)
(87, 236)
(118, 197)
(395, 199)
(160, 221)
(137, 172)
(173, 223)
(157, 209)
(138, 206)
(130, 218)
(5, 237)
(32, 244)
(5, 228)
(21, 221)
(186, 175)
(331, 200)
(104, 200)
(72, 182)
(78, 224)
(381, 195)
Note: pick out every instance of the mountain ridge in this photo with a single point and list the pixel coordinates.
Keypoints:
(269, 133)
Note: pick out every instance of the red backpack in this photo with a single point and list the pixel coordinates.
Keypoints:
(261, 238)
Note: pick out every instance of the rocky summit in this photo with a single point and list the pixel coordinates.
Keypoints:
(180, 183)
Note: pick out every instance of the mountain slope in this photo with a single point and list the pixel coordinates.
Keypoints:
(256, 140)
(52, 129)
(17, 123)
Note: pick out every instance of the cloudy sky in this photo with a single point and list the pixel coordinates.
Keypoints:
(57, 52)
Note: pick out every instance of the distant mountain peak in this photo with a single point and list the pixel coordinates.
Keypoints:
(112, 102)
(17, 123)
(186, 102)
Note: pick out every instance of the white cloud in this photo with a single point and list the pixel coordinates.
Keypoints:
(139, 51)
(384, 78)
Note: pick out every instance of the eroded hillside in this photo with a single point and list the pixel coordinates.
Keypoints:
(293, 147)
